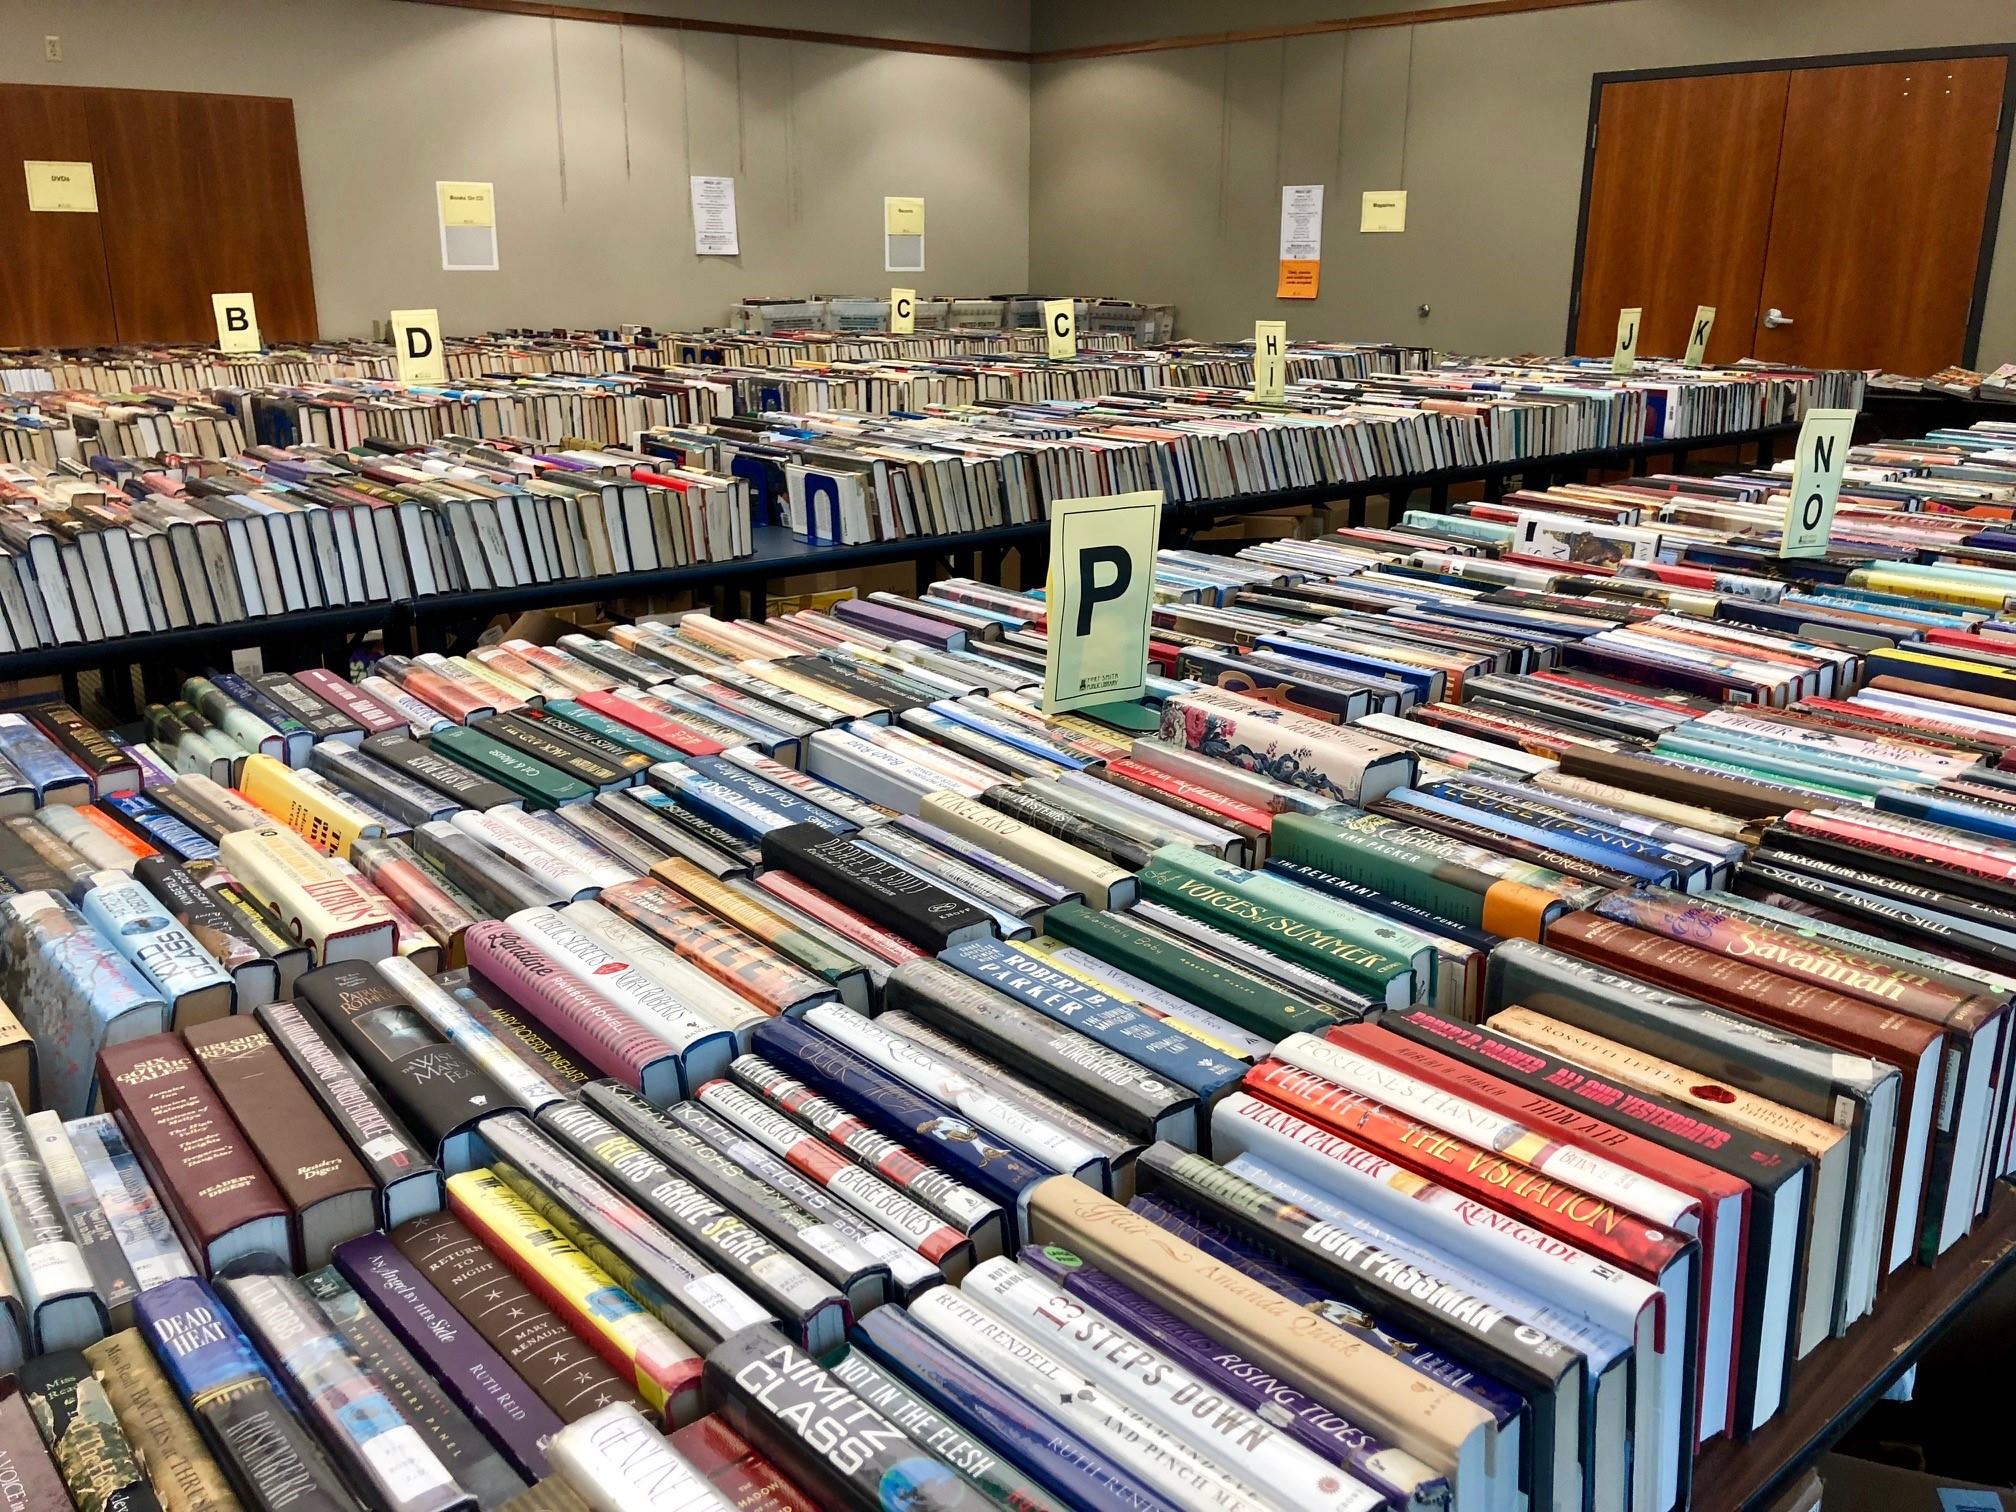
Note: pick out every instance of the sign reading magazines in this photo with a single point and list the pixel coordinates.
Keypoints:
(1102, 577)
(1818, 463)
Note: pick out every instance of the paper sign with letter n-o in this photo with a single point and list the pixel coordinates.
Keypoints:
(1819, 462)
(416, 346)
(1102, 586)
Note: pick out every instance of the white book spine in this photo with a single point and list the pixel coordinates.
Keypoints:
(706, 997)
(619, 1462)
(139, 928)
(46, 1260)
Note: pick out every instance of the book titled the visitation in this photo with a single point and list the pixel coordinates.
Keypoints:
(218, 1196)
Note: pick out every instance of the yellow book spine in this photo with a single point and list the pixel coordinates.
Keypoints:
(325, 821)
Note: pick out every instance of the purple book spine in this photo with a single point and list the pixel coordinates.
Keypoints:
(1314, 1426)
(900, 623)
(493, 1394)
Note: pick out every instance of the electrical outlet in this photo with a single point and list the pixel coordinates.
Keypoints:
(52, 49)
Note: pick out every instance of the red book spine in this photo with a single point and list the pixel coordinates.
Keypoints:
(1195, 792)
(1908, 847)
(445, 694)
(584, 1021)
(843, 920)
(647, 721)
(1562, 1211)
(349, 700)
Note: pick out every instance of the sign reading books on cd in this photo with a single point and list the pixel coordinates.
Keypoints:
(1301, 241)
(416, 346)
(1270, 360)
(1060, 327)
(468, 215)
(902, 234)
(237, 322)
(1626, 356)
(902, 311)
(1819, 461)
(71, 187)
(714, 232)
(1697, 335)
(1102, 582)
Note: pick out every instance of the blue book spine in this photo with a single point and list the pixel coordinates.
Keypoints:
(904, 1114)
(720, 805)
(1120, 1027)
(200, 1346)
(1540, 813)
(1007, 734)
(1424, 684)
(1955, 813)
(781, 745)
(159, 828)
(1573, 845)
(761, 790)
(37, 758)
(1004, 1420)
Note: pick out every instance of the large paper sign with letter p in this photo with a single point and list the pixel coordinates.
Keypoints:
(1817, 468)
(416, 346)
(1102, 579)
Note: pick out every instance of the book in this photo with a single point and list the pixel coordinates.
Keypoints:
(1327, 759)
(892, 897)
(771, 928)
(84, 1218)
(269, 1454)
(619, 1461)
(408, 1181)
(1094, 877)
(75, 994)
(475, 1375)
(25, 1462)
(184, 1474)
(737, 960)
(133, 1210)
(569, 1376)
(431, 1084)
(383, 1453)
(201, 1166)
(99, 1463)
(196, 989)
(224, 936)
(17, 1059)
(316, 904)
(329, 1195)
(460, 1446)
(527, 1086)
(729, 1461)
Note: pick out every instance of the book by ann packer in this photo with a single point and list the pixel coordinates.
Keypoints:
(329, 1194)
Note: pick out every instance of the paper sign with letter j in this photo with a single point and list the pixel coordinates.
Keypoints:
(1102, 578)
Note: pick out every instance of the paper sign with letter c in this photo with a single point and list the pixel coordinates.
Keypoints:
(237, 322)
(416, 346)
(902, 311)
(1060, 327)
(1102, 587)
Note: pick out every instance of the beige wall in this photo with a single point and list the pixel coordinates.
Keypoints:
(1160, 172)
(589, 133)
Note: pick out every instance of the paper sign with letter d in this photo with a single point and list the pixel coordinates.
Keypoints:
(1102, 580)
(416, 346)
(1060, 326)
(1817, 468)
(237, 322)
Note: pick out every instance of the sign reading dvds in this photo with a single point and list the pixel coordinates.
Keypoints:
(1697, 336)
(1270, 360)
(237, 322)
(902, 311)
(1060, 326)
(416, 346)
(1102, 580)
(68, 187)
(1626, 355)
(1819, 460)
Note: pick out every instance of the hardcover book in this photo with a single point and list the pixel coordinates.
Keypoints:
(25, 1461)
(99, 1463)
(896, 899)
(315, 903)
(133, 1211)
(196, 989)
(84, 1218)
(185, 1475)
(619, 1461)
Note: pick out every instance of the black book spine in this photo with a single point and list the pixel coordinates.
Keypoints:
(496, 887)
(821, 1434)
(819, 669)
(1800, 844)
(555, 751)
(1053, 1055)
(321, 719)
(667, 810)
(424, 766)
(918, 910)
(1901, 914)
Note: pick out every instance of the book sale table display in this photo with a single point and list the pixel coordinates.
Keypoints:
(1508, 1009)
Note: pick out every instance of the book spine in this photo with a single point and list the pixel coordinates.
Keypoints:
(854, 929)
(133, 1211)
(823, 1435)
(570, 1377)
(84, 1217)
(99, 1464)
(493, 1394)
(624, 1461)
(723, 951)
(185, 1476)
(396, 871)
(633, 992)
(919, 911)
(485, 1049)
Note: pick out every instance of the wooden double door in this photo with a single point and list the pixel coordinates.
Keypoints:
(198, 194)
(1834, 213)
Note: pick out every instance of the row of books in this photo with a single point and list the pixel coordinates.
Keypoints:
(1397, 903)
(1998, 386)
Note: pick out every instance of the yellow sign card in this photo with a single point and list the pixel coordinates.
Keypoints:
(1819, 461)
(1626, 356)
(1102, 587)
(902, 216)
(1060, 327)
(1383, 210)
(465, 204)
(1270, 360)
(416, 346)
(237, 322)
(61, 186)
(1697, 335)
(903, 310)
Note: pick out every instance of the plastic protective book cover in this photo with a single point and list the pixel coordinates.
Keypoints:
(185, 1474)
(100, 1465)
(26, 1465)
(133, 1211)
(896, 899)
(271, 1457)
(623, 1460)
(84, 1217)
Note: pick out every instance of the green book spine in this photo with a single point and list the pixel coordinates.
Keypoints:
(1246, 1001)
(538, 784)
(1373, 957)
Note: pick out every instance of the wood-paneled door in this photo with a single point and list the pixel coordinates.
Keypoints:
(198, 194)
(1838, 212)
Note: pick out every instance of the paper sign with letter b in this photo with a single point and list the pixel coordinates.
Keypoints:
(1102, 586)
(1697, 335)
(1060, 326)
(902, 311)
(416, 346)
(1817, 467)
(237, 322)
(1626, 355)
(1270, 360)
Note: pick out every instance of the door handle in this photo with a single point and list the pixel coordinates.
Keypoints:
(1775, 317)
